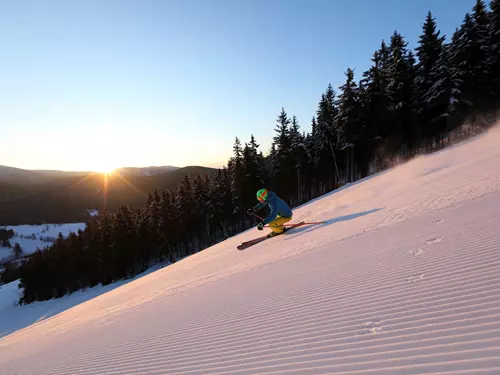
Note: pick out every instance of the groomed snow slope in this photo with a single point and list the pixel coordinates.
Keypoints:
(404, 279)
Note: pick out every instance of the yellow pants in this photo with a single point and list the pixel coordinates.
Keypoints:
(277, 225)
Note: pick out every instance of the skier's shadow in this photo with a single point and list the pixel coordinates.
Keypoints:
(310, 228)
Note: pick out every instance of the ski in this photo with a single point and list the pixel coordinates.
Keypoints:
(255, 241)
(247, 244)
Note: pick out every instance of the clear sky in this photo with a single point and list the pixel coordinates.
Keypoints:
(97, 84)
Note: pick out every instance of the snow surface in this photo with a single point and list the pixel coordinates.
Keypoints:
(13, 317)
(403, 279)
(31, 237)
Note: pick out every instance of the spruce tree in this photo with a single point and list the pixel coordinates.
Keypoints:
(401, 91)
(169, 229)
(375, 115)
(237, 174)
(481, 18)
(494, 53)
(469, 51)
(310, 170)
(282, 164)
(186, 208)
(253, 165)
(201, 212)
(384, 55)
(123, 243)
(442, 99)
(261, 173)
(299, 156)
(153, 219)
(104, 254)
(222, 202)
(326, 142)
(348, 122)
(429, 51)
(282, 138)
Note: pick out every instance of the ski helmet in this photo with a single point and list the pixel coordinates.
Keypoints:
(262, 195)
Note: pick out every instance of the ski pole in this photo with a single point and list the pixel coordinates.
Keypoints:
(258, 217)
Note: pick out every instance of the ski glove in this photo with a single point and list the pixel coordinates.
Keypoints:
(260, 226)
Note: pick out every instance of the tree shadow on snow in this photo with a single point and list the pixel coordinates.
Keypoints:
(310, 228)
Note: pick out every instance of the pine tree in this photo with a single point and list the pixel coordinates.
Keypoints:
(314, 125)
(282, 138)
(384, 65)
(348, 122)
(494, 41)
(201, 214)
(91, 237)
(104, 255)
(237, 174)
(123, 243)
(169, 229)
(311, 186)
(326, 127)
(260, 166)
(401, 91)
(222, 202)
(299, 156)
(282, 158)
(442, 98)
(254, 170)
(469, 51)
(348, 116)
(429, 51)
(481, 18)
(326, 142)
(375, 115)
(186, 207)
(153, 224)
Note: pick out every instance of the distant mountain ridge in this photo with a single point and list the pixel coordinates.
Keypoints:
(18, 175)
(23, 176)
(30, 197)
(145, 171)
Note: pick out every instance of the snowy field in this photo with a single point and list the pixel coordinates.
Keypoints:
(403, 279)
(31, 237)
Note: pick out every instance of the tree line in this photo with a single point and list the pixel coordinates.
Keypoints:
(406, 103)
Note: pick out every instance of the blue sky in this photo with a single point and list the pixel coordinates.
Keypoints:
(173, 82)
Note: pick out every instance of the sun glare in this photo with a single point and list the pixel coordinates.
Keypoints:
(104, 168)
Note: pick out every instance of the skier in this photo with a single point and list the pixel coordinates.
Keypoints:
(280, 212)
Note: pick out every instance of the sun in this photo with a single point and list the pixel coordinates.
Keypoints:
(104, 168)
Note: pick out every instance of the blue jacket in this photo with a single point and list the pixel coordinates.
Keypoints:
(277, 206)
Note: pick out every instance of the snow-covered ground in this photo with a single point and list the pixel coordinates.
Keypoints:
(403, 279)
(13, 317)
(31, 237)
